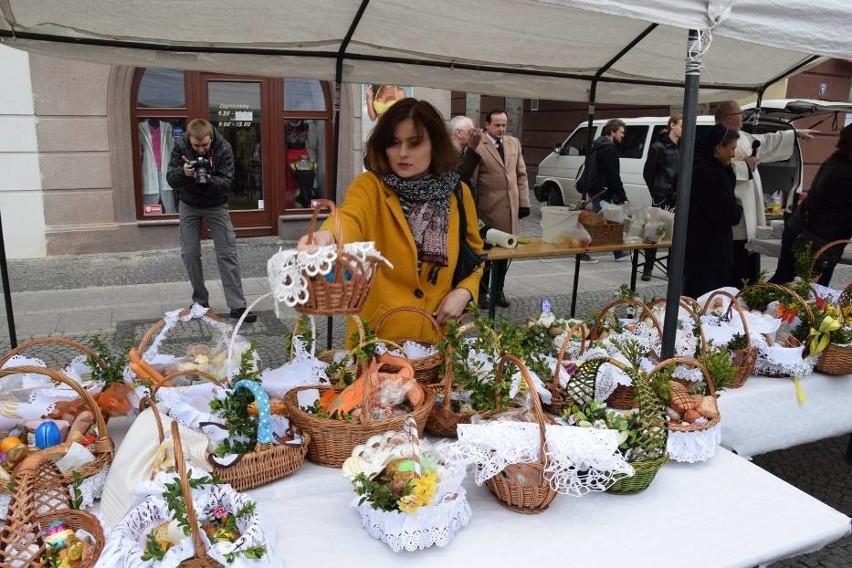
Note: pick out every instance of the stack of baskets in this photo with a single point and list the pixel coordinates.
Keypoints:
(41, 498)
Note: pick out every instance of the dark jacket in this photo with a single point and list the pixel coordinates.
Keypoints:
(468, 160)
(713, 212)
(827, 210)
(660, 170)
(608, 168)
(214, 193)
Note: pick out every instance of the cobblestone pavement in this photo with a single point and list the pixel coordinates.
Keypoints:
(136, 285)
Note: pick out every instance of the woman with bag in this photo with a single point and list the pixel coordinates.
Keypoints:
(408, 204)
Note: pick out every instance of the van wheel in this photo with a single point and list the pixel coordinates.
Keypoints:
(554, 196)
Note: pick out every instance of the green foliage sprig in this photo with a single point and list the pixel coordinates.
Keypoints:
(173, 495)
(242, 427)
(717, 361)
(114, 363)
(378, 491)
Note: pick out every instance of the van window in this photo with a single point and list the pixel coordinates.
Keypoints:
(633, 144)
(576, 144)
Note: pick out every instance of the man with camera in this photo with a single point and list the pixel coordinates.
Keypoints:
(201, 170)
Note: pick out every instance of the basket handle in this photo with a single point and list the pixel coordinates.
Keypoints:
(321, 205)
(414, 309)
(824, 248)
(148, 402)
(685, 303)
(85, 349)
(578, 328)
(733, 305)
(104, 443)
(624, 301)
(537, 409)
(167, 380)
(154, 330)
(192, 518)
(686, 361)
(784, 289)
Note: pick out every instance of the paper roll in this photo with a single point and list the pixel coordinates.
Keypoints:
(501, 239)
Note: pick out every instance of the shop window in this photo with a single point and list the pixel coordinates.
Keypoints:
(304, 94)
(305, 162)
(162, 88)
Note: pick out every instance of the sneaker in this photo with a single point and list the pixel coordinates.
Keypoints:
(646, 277)
(237, 314)
(585, 257)
(619, 256)
(483, 302)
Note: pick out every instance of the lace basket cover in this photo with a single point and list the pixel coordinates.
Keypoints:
(578, 460)
(126, 541)
(432, 525)
(154, 356)
(290, 269)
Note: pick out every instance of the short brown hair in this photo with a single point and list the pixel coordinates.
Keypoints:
(674, 119)
(844, 141)
(426, 120)
(199, 129)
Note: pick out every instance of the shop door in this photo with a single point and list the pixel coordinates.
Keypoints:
(235, 106)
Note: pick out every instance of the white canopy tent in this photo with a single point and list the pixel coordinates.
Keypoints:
(477, 46)
(612, 51)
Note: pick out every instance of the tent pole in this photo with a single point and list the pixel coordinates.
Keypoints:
(684, 186)
(7, 292)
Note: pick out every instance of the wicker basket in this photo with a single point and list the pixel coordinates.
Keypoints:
(837, 359)
(426, 368)
(443, 421)
(142, 357)
(711, 387)
(624, 396)
(41, 497)
(269, 461)
(350, 279)
(332, 441)
(785, 290)
(581, 391)
(523, 487)
(743, 359)
(103, 448)
(607, 233)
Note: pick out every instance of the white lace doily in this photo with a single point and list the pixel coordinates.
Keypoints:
(126, 541)
(290, 269)
(578, 460)
(432, 525)
(694, 446)
(304, 369)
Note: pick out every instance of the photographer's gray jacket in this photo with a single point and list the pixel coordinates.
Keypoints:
(214, 193)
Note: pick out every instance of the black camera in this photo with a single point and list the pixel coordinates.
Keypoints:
(202, 168)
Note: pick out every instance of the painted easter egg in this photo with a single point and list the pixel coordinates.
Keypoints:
(47, 434)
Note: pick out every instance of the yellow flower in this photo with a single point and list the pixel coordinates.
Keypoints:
(423, 491)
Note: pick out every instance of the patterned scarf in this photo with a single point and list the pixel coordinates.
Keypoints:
(426, 203)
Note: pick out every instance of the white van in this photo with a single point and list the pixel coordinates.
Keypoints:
(554, 182)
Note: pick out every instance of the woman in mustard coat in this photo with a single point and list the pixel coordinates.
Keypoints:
(406, 203)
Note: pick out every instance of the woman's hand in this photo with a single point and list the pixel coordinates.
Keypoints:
(321, 238)
(452, 305)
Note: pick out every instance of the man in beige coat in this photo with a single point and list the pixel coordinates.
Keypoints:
(503, 193)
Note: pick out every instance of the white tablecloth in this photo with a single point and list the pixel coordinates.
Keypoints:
(725, 512)
(764, 414)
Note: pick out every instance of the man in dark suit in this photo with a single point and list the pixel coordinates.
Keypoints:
(503, 193)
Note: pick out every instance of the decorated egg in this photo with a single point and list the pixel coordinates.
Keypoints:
(57, 534)
(47, 434)
(8, 443)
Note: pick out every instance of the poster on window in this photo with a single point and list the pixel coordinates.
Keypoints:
(375, 100)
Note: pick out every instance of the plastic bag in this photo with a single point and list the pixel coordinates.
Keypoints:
(612, 212)
(654, 214)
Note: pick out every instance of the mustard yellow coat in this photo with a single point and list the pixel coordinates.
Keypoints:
(371, 211)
